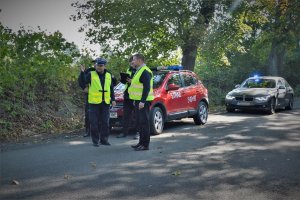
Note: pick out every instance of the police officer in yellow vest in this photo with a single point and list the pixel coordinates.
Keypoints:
(141, 91)
(100, 96)
(128, 107)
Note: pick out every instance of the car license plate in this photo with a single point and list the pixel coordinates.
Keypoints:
(244, 103)
(113, 115)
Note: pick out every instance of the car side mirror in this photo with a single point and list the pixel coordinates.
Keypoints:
(173, 87)
(281, 87)
(237, 86)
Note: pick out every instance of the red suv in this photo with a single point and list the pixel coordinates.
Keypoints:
(177, 94)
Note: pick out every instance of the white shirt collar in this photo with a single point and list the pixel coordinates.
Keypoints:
(141, 66)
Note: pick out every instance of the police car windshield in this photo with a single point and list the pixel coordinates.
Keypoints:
(259, 83)
(158, 78)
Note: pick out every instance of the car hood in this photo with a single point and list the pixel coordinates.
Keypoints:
(119, 95)
(252, 91)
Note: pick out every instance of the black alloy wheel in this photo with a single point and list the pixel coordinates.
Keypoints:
(291, 104)
(201, 116)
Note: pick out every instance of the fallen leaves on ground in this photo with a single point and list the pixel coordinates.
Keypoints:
(93, 165)
(15, 182)
(67, 176)
(176, 173)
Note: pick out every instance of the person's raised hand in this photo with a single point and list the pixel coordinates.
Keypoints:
(82, 68)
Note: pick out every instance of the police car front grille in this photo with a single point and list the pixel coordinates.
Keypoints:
(244, 98)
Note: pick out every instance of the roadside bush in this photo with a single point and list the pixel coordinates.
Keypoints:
(218, 81)
(36, 74)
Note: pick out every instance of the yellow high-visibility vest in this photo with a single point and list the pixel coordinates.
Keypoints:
(135, 90)
(95, 89)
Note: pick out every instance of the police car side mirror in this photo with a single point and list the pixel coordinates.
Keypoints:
(237, 86)
(172, 87)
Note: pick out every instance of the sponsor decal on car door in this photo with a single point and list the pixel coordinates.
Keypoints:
(190, 91)
(174, 99)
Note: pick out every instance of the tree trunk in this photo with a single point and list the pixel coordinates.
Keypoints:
(189, 57)
(273, 61)
(276, 59)
(277, 53)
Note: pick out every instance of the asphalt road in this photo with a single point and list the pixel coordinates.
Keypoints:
(234, 156)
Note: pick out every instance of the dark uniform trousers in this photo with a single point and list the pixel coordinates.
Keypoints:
(86, 118)
(99, 129)
(142, 116)
(128, 114)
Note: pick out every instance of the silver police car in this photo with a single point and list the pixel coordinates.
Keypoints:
(266, 93)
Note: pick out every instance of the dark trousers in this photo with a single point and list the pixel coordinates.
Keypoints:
(128, 110)
(99, 122)
(86, 117)
(142, 116)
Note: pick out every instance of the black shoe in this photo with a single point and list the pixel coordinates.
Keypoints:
(135, 146)
(95, 145)
(105, 143)
(86, 135)
(141, 148)
(121, 135)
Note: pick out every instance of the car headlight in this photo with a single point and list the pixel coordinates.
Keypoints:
(261, 99)
(229, 97)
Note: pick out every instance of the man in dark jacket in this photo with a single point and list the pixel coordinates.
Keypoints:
(141, 91)
(100, 97)
(81, 81)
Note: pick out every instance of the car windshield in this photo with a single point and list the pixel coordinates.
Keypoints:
(259, 83)
(158, 79)
(120, 87)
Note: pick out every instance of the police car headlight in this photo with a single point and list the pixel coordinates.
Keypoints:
(229, 97)
(262, 99)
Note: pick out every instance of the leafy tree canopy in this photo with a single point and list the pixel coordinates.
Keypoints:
(154, 28)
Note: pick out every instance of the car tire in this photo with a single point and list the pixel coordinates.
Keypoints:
(291, 104)
(201, 116)
(272, 105)
(156, 121)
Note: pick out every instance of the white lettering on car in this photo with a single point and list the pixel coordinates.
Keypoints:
(175, 95)
(191, 99)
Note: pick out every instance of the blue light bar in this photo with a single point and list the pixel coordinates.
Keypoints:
(175, 67)
(172, 67)
(255, 74)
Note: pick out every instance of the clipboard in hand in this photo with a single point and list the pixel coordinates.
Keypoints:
(124, 76)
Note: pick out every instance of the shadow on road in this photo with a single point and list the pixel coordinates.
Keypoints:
(234, 156)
